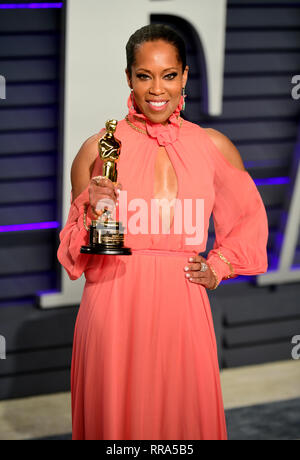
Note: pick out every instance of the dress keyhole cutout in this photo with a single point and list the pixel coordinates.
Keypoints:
(165, 186)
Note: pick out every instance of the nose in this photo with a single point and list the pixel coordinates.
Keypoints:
(156, 87)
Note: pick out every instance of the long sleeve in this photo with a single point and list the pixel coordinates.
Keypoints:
(72, 237)
(240, 221)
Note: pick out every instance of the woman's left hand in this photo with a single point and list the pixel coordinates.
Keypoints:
(194, 274)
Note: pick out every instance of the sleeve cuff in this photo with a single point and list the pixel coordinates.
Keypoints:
(221, 265)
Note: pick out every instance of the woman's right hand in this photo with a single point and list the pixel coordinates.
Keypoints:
(103, 194)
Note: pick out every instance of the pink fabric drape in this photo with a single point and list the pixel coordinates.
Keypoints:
(144, 362)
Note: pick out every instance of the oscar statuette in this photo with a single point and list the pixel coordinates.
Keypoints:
(106, 236)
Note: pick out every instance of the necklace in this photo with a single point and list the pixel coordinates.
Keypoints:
(140, 130)
(143, 131)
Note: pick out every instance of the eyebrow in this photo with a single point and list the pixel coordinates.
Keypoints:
(149, 71)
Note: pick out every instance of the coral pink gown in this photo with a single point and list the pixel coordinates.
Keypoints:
(144, 364)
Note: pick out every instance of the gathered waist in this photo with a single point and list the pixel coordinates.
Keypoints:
(163, 252)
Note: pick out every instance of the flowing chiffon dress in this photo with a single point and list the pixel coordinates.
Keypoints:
(144, 363)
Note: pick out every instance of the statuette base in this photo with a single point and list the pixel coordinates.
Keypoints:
(106, 238)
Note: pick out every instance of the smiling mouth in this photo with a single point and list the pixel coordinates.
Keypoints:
(157, 105)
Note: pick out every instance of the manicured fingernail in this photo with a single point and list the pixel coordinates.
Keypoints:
(188, 275)
(191, 259)
(186, 269)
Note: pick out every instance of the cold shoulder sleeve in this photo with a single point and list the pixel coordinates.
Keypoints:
(73, 236)
(240, 221)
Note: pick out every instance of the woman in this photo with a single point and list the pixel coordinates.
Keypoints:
(144, 360)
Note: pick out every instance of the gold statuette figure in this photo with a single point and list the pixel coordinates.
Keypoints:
(109, 151)
(107, 235)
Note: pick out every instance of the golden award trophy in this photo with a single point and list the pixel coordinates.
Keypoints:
(106, 236)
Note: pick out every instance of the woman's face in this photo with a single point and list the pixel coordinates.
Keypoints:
(157, 80)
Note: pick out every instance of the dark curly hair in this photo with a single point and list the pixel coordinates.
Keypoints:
(151, 33)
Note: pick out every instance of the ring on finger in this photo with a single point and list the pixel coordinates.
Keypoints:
(204, 267)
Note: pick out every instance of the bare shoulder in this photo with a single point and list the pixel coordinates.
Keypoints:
(87, 153)
(226, 147)
(83, 164)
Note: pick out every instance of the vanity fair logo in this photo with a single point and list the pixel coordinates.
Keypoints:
(2, 87)
(296, 88)
(188, 216)
(2, 347)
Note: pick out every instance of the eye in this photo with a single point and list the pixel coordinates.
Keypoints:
(171, 76)
(142, 76)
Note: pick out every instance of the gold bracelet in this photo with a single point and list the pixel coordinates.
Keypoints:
(84, 217)
(232, 274)
(215, 276)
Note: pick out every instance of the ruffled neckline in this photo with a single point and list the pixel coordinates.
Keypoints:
(165, 134)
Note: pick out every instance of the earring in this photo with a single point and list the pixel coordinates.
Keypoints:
(132, 100)
(184, 96)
